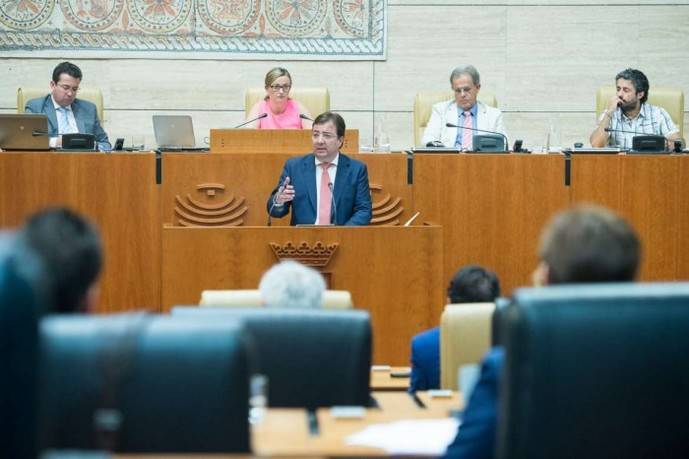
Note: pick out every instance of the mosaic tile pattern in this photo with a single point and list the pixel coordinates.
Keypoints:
(260, 29)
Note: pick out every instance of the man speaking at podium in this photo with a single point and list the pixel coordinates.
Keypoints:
(325, 187)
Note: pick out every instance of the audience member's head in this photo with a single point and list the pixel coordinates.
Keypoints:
(290, 284)
(69, 248)
(587, 244)
(473, 284)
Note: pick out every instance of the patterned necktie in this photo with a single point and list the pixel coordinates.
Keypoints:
(326, 196)
(64, 125)
(467, 134)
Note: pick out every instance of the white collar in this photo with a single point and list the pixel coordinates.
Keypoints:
(333, 162)
(58, 106)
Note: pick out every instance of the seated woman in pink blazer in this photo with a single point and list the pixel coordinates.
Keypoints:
(282, 111)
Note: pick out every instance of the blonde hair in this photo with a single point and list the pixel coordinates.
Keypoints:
(275, 73)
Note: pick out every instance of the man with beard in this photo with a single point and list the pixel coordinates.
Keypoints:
(628, 111)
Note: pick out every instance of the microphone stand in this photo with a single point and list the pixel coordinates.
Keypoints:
(333, 214)
(259, 117)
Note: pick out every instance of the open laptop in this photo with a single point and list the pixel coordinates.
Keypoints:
(175, 133)
(24, 132)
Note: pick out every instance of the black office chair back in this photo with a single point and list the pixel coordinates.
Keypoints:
(134, 383)
(596, 371)
(19, 310)
(312, 358)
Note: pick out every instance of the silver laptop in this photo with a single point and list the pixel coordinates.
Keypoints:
(175, 133)
(24, 132)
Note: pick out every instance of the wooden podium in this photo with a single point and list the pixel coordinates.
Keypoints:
(393, 272)
(292, 141)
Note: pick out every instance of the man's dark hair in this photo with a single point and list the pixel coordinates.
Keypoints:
(68, 68)
(69, 249)
(590, 244)
(473, 284)
(337, 120)
(638, 79)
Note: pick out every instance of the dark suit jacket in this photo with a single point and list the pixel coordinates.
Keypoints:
(85, 114)
(352, 195)
(476, 436)
(425, 360)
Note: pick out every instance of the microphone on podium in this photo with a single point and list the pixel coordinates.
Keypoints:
(304, 117)
(275, 200)
(623, 131)
(333, 206)
(503, 136)
(259, 117)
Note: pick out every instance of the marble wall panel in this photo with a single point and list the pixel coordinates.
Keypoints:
(426, 43)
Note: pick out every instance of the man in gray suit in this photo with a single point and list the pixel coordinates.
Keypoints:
(67, 114)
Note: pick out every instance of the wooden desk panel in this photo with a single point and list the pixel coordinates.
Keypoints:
(117, 191)
(492, 208)
(596, 179)
(645, 190)
(249, 179)
(683, 220)
(398, 287)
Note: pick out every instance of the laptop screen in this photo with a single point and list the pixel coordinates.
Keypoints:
(176, 131)
(24, 132)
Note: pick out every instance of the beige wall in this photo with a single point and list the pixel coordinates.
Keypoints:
(543, 59)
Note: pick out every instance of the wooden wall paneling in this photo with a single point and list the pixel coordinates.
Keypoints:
(395, 273)
(492, 208)
(117, 192)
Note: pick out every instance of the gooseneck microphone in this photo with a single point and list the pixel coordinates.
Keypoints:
(40, 133)
(259, 117)
(304, 117)
(450, 125)
(625, 132)
(333, 206)
(275, 200)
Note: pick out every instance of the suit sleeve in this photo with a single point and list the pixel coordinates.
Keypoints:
(500, 126)
(433, 131)
(279, 211)
(476, 435)
(362, 202)
(101, 137)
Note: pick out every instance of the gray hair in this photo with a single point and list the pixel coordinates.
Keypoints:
(290, 284)
(466, 70)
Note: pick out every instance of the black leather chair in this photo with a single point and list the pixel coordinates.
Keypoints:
(19, 310)
(596, 371)
(171, 384)
(312, 358)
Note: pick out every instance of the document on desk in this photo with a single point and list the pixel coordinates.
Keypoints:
(408, 437)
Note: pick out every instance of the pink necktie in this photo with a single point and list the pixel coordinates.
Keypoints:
(467, 134)
(326, 196)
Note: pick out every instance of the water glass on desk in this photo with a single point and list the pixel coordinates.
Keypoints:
(381, 143)
(138, 143)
